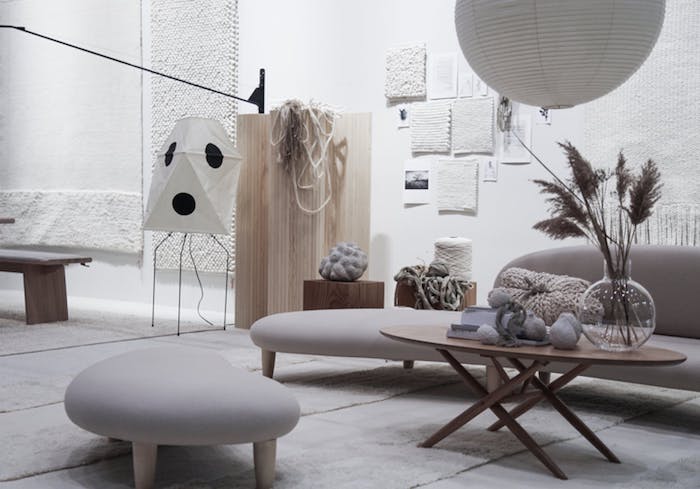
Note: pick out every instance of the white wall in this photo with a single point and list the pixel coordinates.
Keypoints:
(333, 52)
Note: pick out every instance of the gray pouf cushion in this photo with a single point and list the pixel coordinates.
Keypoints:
(177, 396)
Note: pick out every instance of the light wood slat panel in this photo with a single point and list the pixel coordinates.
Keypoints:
(251, 215)
(294, 241)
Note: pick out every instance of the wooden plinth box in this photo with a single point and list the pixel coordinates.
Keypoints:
(327, 294)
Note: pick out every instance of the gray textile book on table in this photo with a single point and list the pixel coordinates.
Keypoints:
(462, 334)
(473, 317)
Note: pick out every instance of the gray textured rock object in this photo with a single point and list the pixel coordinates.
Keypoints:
(534, 327)
(563, 333)
(573, 321)
(345, 263)
(498, 298)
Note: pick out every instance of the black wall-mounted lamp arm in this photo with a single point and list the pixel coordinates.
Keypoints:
(256, 98)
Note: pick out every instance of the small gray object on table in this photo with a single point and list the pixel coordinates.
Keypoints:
(178, 396)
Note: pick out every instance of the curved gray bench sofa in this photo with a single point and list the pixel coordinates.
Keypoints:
(670, 273)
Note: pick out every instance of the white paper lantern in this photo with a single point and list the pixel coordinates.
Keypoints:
(195, 180)
(557, 53)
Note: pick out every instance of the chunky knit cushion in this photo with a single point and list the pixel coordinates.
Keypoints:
(546, 294)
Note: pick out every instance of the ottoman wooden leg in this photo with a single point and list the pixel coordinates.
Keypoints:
(268, 363)
(144, 458)
(264, 453)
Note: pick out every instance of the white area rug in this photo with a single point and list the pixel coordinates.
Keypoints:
(472, 125)
(656, 114)
(361, 421)
(405, 72)
(71, 157)
(430, 127)
(457, 184)
(196, 41)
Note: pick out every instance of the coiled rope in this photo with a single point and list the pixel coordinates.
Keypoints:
(433, 287)
(302, 135)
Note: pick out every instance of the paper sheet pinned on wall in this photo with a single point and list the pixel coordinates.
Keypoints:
(512, 152)
(457, 184)
(442, 76)
(417, 181)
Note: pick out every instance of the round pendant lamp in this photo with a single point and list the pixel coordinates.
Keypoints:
(557, 53)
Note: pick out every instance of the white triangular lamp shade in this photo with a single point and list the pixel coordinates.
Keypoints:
(557, 53)
(195, 180)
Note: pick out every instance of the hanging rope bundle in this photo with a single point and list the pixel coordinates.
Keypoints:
(302, 135)
(433, 287)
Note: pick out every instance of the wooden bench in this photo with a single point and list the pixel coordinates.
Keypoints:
(45, 298)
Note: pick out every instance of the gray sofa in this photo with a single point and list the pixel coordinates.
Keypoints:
(671, 274)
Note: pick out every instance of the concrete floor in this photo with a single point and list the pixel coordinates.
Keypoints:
(658, 449)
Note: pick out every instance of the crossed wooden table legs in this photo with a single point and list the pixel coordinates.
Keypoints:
(527, 400)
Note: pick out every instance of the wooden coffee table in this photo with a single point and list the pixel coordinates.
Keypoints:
(525, 388)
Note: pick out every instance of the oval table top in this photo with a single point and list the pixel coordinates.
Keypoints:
(585, 352)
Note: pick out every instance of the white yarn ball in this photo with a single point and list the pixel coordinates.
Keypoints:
(456, 253)
(487, 334)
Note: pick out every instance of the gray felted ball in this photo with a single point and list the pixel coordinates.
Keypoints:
(487, 334)
(345, 263)
(534, 327)
(498, 298)
(573, 321)
(563, 334)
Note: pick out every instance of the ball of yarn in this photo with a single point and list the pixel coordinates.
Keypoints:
(345, 263)
(498, 298)
(573, 321)
(456, 253)
(487, 334)
(534, 327)
(563, 334)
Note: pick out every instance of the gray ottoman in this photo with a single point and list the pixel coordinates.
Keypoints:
(176, 396)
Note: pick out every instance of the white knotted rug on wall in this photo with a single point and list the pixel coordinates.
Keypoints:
(196, 41)
(656, 114)
(70, 144)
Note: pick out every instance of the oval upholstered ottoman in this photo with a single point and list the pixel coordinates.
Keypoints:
(176, 396)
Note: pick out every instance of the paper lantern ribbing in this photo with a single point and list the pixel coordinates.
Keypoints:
(195, 180)
(557, 53)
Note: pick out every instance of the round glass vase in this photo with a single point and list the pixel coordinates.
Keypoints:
(617, 313)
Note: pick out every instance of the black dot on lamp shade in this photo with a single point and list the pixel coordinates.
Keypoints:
(183, 204)
(169, 153)
(214, 155)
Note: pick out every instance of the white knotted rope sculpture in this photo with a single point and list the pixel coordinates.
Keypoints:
(302, 135)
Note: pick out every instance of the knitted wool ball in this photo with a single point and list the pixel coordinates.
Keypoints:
(498, 298)
(487, 334)
(573, 321)
(345, 263)
(563, 334)
(534, 327)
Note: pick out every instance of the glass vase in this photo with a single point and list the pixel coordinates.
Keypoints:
(617, 313)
